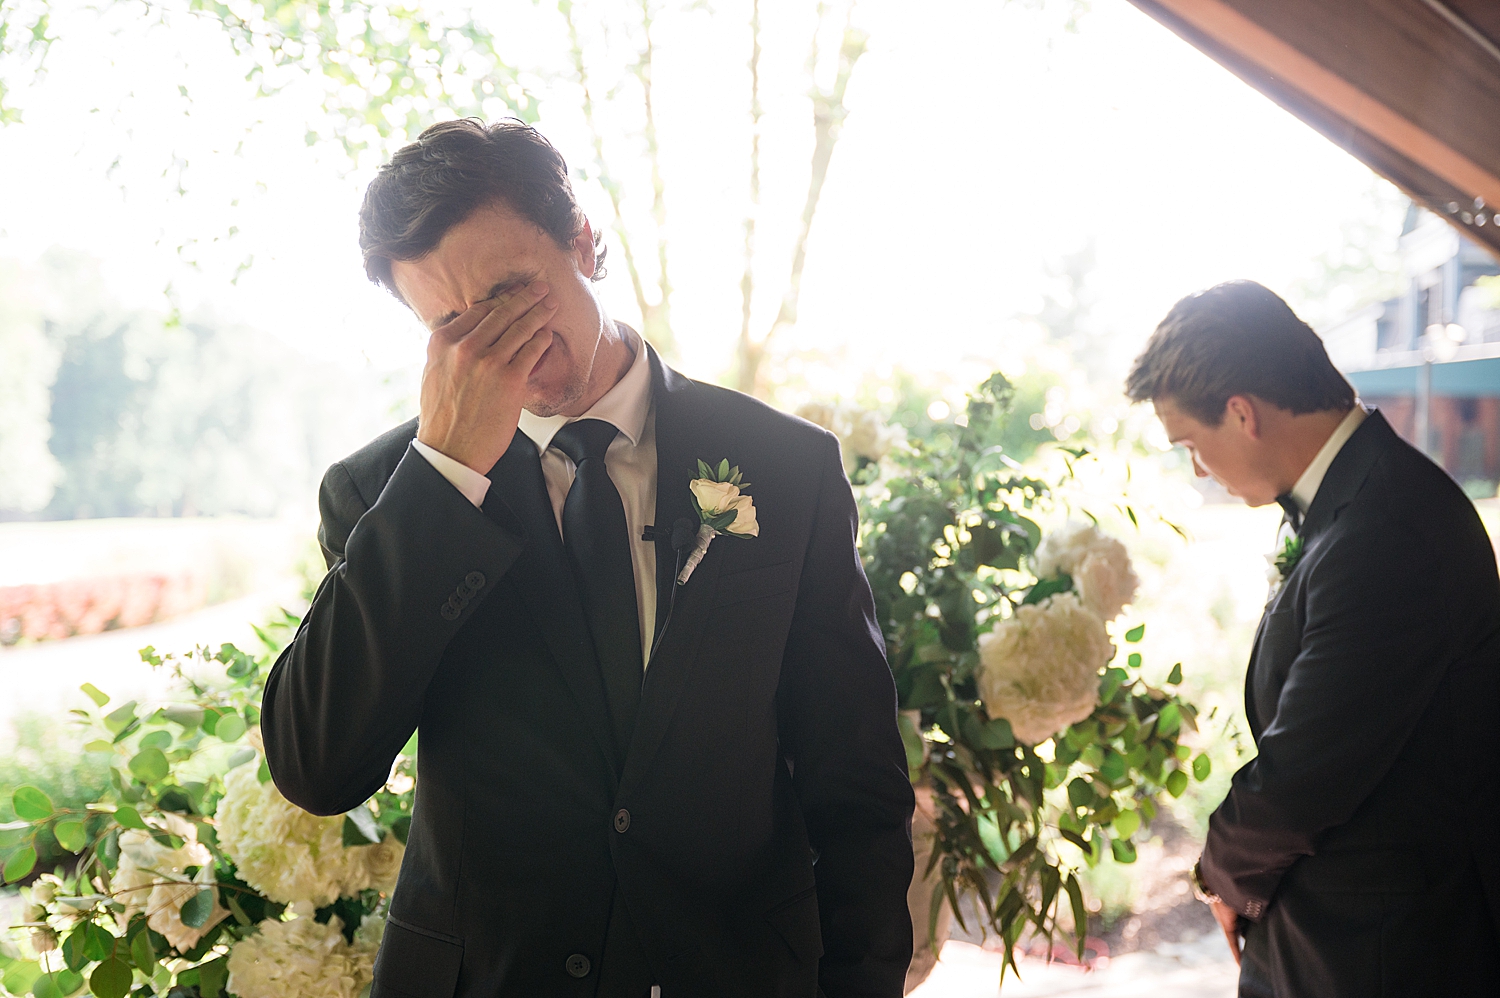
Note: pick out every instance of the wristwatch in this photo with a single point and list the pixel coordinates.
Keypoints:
(1201, 889)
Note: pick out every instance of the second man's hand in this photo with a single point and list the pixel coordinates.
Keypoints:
(474, 384)
(1229, 922)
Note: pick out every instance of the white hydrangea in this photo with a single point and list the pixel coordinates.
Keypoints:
(1099, 565)
(303, 959)
(152, 877)
(290, 855)
(1040, 668)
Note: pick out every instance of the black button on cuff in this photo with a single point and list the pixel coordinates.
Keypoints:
(475, 581)
(449, 612)
(622, 821)
(577, 965)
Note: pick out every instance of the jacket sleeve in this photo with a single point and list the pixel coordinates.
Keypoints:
(1373, 653)
(838, 705)
(404, 574)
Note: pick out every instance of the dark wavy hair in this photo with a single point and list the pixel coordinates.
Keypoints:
(1237, 338)
(452, 170)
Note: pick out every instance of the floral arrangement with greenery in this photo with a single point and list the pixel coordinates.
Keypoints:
(192, 876)
(1042, 751)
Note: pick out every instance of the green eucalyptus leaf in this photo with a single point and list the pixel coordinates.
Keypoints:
(21, 862)
(1126, 824)
(212, 977)
(1175, 676)
(30, 804)
(20, 976)
(241, 756)
(70, 834)
(1169, 721)
(1202, 766)
(111, 979)
(128, 817)
(1048, 587)
(121, 718)
(143, 954)
(75, 948)
(99, 745)
(184, 714)
(196, 909)
(1177, 782)
(98, 942)
(149, 766)
(230, 727)
(59, 985)
(1124, 851)
(99, 697)
(157, 739)
(1136, 633)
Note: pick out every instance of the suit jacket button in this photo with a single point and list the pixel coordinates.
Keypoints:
(449, 612)
(622, 821)
(578, 965)
(475, 581)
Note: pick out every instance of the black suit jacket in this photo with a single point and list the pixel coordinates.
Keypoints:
(767, 847)
(1360, 840)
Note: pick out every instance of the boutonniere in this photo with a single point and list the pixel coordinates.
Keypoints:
(722, 508)
(1282, 562)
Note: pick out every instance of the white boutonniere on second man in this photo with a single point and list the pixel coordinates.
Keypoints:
(722, 507)
(1282, 561)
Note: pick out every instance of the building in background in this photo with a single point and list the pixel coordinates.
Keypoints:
(1430, 359)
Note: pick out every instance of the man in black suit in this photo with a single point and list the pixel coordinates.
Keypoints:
(633, 778)
(1354, 856)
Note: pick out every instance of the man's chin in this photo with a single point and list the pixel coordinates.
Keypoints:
(547, 401)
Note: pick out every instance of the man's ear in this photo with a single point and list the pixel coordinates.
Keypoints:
(1240, 412)
(583, 249)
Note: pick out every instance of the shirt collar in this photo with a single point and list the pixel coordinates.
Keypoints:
(1307, 486)
(625, 406)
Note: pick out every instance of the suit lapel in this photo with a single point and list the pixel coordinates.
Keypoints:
(1350, 467)
(681, 438)
(545, 582)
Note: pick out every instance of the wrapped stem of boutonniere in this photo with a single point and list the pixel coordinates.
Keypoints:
(722, 508)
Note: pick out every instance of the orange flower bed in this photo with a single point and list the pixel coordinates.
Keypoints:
(88, 606)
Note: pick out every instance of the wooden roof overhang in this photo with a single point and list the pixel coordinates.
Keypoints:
(1411, 87)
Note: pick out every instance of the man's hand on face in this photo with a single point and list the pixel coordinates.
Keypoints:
(474, 383)
(1229, 921)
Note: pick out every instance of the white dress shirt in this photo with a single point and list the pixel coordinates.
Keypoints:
(630, 461)
(1307, 486)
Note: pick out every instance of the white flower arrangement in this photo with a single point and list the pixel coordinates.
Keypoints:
(1097, 563)
(152, 877)
(301, 958)
(1039, 669)
(290, 855)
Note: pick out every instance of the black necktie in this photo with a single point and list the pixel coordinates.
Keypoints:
(1293, 511)
(597, 542)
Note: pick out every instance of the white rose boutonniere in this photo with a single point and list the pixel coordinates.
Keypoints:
(1282, 562)
(722, 508)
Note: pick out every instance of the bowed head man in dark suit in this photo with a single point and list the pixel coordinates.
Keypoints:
(632, 779)
(1354, 857)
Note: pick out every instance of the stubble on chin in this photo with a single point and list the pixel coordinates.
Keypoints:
(553, 403)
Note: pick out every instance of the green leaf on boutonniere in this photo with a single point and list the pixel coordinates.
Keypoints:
(1291, 553)
(723, 468)
(704, 471)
